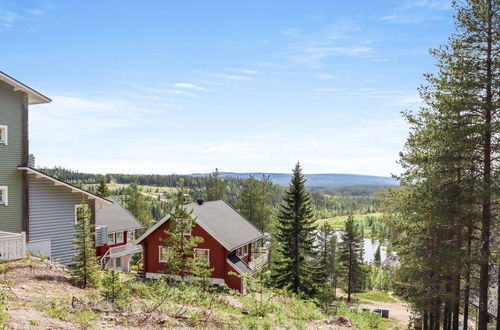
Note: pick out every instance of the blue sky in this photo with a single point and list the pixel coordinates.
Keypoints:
(188, 86)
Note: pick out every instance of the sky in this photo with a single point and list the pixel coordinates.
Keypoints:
(242, 86)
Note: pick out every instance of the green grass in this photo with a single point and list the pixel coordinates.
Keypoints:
(378, 296)
(339, 221)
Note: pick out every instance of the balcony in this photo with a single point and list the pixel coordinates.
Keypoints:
(259, 259)
(12, 246)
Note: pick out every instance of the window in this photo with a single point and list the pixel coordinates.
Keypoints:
(202, 254)
(4, 195)
(111, 239)
(165, 254)
(118, 262)
(119, 237)
(245, 250)
(79, 208)
(4, 137)
(185, 224)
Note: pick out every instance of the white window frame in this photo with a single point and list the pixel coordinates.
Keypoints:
(208, 254)
(122, 237)
(161, 254)
(189, 233)
(4, 134)
(76, 211)
(108, 241)
(5, 195)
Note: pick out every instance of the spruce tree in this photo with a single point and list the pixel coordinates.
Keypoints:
(326, 274)
(85, 271)
(102, 188)
(180, 259)
(294, 269)
(351, 256)
(216, 187)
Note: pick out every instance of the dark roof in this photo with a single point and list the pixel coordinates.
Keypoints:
(115, 217)
(222, 222)
(240, 266)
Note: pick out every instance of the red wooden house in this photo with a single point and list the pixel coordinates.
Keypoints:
(231, 243)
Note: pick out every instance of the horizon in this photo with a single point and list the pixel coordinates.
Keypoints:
(193, 87)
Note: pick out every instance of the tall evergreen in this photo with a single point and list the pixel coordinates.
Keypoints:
(179, 256)
(85, 272)
(216, 187)
(326, 274)
(376, 257)
(254, 201)
(351, 256)
(294, 269)
(102, 188)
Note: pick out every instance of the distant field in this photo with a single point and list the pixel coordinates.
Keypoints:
(339, 221)
(150, 191)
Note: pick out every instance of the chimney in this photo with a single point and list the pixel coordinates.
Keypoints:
(200, 201)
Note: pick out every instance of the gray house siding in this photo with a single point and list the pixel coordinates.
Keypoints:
(11, 158)
(52, 215)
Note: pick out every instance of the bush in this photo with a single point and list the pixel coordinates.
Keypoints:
(3, 307)
(363, 320)
(57, 311)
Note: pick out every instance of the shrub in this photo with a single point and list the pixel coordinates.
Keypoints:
(364, 320)
(113, 289)
(57, 311)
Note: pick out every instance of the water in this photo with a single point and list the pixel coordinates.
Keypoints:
(370, 247)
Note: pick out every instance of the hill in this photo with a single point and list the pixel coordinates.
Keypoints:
(326, 181)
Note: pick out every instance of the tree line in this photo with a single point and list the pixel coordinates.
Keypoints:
(444, 220)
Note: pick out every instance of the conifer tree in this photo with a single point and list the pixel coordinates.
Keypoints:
(326, 273)
(294, 269)
(113, 289)
(376, 257)
(254, 201)
(85, 272)
(351, 256)
(216, 187)
(179, 255)
(136, 204)
(102, 188)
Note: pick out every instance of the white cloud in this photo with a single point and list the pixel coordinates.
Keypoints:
(231, 76)
(414, 12)
(190, 86)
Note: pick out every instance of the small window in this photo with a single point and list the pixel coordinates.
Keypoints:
(245, 250)
(118, 262)
(203, 254)
(119, 237)
(184, 223)
(4, 137)
(165, 254)
(77, 208)
(111, 239)
(4, 195)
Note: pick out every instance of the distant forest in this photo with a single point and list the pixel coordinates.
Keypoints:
(330, 202)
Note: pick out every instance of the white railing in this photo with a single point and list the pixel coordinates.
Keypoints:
(12, 246)
(259, 259)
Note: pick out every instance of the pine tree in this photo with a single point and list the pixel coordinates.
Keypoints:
(102, 188)
(254, 201)
(216, 187)
(294, 269)
(136, 204)
(180, 259)
(85, 272)
(351, 256)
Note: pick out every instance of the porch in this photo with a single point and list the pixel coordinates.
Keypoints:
(119, 257)
(12, 246)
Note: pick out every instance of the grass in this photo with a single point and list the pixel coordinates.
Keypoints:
(338, 222)
(375, 295)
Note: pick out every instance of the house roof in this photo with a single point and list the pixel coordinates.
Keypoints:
(116, 218)
(222, 222)
(58, 182)
(34, 97)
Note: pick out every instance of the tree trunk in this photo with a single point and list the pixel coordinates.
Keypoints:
(486, 216)
(425, 320)
(456, 302)
(468, 267)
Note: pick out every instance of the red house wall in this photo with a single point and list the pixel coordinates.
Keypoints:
(101, 250)
(233, 281)
(151, 245)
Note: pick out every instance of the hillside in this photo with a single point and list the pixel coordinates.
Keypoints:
(327, 180)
